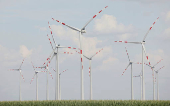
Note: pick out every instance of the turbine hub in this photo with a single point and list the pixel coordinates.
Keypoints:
(83, 31)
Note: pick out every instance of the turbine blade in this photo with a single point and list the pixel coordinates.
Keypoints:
(137, 76)
(41, 71)
(128, 42)
(76, 29)
(127, 54)
(22, 76)
(149, 29)
(66, 52)
(32, 78)
(13, 69)
(22, 63)
(51, 75)
(97, 52)
(51, 33)
(141, 63)
(49, 58)
(145, 54)
(160, 68)
(63, 71)
(33, 65)
(73, 48)
(86, 57)
(158, 62)
(50, 42)
(93, 17)
(126, 68)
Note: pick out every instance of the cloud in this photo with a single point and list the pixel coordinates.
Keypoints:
(108, 63)
(24, 51)
(41, 28)
(146, 1)
(65, 33)
(7, 55)
(10, 3)
(89, 44)
(154, 56)
(168, 16)
(109, 25)
(166, 33)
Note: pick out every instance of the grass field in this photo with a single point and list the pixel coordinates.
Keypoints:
(86, 103)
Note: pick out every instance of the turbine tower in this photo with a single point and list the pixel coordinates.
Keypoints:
(143, 51)
(130, 64)
(158, 82)
(56, 53)
(81, 31)
(60, 82)
(153, 67)
(21, 76)
(45, 66)
(140, 75)
(36, 74)
(90, 73)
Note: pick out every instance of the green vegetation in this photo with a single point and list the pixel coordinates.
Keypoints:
(86, 103)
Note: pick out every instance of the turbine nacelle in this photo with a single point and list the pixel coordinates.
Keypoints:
(143, 42)
(83, 30)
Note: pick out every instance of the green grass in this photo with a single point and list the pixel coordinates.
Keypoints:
(86, 103)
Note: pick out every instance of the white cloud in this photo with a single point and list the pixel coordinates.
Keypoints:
(166, 33)
(154, 56)
(108, 63)
(24, 51)
(7, 55)
(109, 25)
(65, 33)
(168, 16)
(89, 44)
(147, 1)
(41, 28)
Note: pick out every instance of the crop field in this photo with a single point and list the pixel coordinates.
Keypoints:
(86, 103)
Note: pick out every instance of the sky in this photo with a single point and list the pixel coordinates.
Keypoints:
(23, 34)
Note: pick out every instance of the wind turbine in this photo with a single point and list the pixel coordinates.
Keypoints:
(60, 82)
(19, 69)
(81, 31)
(130, 64)
(152, 67)
(36, 74)
(157, 82)
(47, 72)
(90, 73)
(143, 50)
(140, 75)
(153, 75)
(56, 53)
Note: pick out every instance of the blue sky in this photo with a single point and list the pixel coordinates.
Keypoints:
(24, 29)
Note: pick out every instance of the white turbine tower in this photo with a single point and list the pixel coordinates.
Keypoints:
(47, 72)
(130, 64)
(56, 53)
(36, 74)
(140, 75)
(81, 31)
(60, 82)
(90, 73)
(19, 69)
(153, 67)
(158, 82)
(143, 50)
